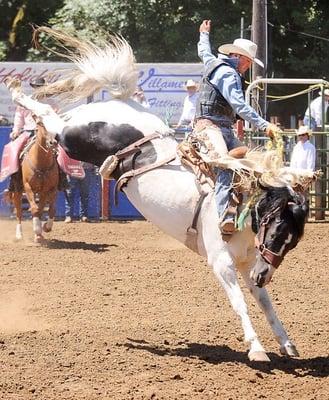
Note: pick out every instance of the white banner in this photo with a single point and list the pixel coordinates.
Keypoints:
(163, 84)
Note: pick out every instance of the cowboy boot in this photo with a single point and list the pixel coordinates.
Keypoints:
(228, 221)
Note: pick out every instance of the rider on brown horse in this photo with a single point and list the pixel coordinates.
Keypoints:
(24, 122)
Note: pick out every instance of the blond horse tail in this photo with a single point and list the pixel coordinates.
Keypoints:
(111, 66)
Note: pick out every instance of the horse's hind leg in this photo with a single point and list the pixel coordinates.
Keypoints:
(225, 271)
(16, 198)
(52, 122)
(264, 302)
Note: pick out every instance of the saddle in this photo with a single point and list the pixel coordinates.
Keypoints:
(11, 155)
(189, 154)
(200, 152)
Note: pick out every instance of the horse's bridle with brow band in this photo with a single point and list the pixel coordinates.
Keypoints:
(269, 256)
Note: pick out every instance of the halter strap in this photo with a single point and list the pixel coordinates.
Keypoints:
(269, 256)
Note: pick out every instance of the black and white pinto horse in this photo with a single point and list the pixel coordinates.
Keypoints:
(168, 194)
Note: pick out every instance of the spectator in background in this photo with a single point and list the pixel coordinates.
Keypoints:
(139, 97)
(303, 153)
(4, 121)
(313, 114)
(24, 122)
(188, 112)
(23, 119)
(82, 187)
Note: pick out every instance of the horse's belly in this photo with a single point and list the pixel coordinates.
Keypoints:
(167, 198)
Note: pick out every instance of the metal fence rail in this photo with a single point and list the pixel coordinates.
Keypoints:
(319, 191)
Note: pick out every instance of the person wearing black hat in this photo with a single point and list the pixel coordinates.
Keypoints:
(24, 122)
(37, 82)
(23, 119)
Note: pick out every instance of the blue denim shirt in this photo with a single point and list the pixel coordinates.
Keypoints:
(228, 82)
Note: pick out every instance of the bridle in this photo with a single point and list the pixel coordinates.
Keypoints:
(268, 255)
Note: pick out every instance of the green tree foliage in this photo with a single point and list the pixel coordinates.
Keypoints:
(17, 17)
(158, 30)
(167, 30)
(299, 38)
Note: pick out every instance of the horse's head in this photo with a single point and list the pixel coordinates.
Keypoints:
(46, 140)
(278, 219)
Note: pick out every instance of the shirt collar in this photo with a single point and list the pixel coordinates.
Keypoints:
(233, 61)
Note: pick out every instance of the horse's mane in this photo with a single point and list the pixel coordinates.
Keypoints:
(267, 168)
(111, 66)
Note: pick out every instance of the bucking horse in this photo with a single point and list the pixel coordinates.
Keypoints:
(139, 150)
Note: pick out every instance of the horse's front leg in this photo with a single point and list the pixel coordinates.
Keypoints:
(16, 198)
(261, 296)
(224, 270)
(48, 225)
(36, 214)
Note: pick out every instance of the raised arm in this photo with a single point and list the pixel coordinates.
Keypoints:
(204, 49)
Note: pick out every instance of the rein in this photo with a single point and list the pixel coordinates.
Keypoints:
(40, 172)
(269, 256)
(45, 149)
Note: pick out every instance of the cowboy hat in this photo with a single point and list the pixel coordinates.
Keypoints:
(191, 83)
(303, 130)
(37, 82)
(244, 47)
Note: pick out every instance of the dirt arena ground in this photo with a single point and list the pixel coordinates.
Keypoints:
(121, 311)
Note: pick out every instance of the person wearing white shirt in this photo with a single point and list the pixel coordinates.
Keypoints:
(313, 114)
(188, 113)
(303, 154)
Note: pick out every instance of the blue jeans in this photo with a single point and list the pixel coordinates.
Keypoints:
(80, 186)
(224, 176)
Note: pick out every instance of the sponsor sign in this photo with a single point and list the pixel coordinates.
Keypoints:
(163, 84)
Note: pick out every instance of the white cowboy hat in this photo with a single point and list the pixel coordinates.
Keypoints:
(191, 83)
(244, 47)
(302, 130)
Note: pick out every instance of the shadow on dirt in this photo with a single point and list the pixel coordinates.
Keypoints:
(63, 244)
(316, 367)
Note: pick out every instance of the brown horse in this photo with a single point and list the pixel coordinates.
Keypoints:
(40, 175)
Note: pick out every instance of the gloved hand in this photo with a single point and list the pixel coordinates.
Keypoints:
(271, 130)
(13, 135)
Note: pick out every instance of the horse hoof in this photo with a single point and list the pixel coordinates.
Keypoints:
(45, 228)
(258, 356)
(289, 350)
(39, 239)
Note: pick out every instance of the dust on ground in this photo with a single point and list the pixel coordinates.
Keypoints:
(122, 311)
